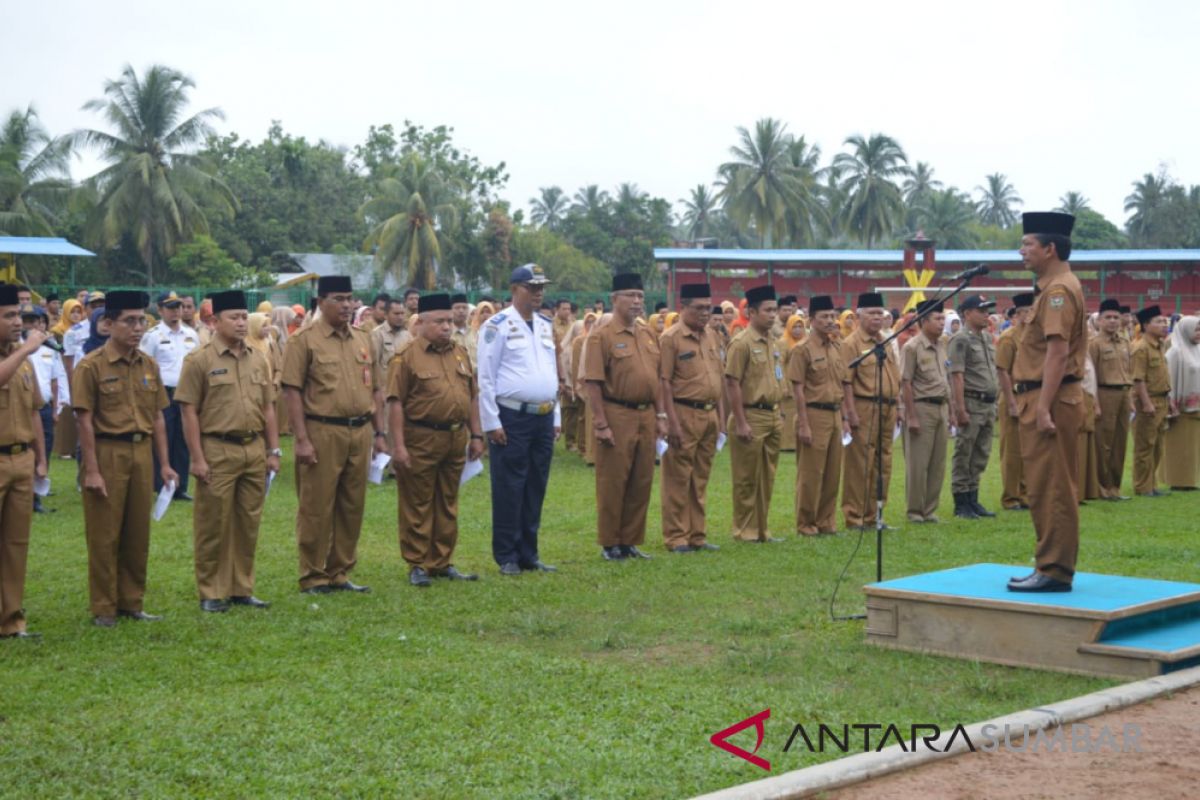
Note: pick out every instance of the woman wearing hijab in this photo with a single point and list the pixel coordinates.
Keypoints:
(1181, 445)
(793, 334)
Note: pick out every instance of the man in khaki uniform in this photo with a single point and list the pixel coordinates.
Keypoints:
(815, 371)
(333, 390)
(620, 365)
(228, 405)
(926, 389)
(1152, 388)
(868, 410)
(1013, 496)
(690, 370)
(974, 388)
(1048, 372)
(433, 403)
(1110, 355)
(118, 399)
(22, 458)
(755, 385)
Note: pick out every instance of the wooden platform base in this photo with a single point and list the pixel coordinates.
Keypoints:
(1109, 625)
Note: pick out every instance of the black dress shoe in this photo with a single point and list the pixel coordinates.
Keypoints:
(22, 635)
(318, 589)
(510, 568)
(139, 616)
(538, 566)
(214, 606)
(706, 546)
(614, 553)
(1038, 582)
(632, 552)
(684, 548)
(453, 574)
(418, 577)
(184, 496)
(249, 600)
(349, 587)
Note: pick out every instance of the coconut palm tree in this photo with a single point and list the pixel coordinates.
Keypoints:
(155, 186)
(34, 179)
(1073, 203)
(874, 205)
(411, 210)
(549, 207)
(589, 199)
(698, 210)
(761, 186)
(997, 202)
(946, 216)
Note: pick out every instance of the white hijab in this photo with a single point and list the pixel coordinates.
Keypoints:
(1183, 365)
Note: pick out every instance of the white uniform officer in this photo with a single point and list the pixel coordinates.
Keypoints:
(518, 406)
(168, 343)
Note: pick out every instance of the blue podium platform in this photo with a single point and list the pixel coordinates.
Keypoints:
(1110, 625)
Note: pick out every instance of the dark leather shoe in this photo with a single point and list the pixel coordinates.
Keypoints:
(249, 600)
(349, 587)
(453, 574)
(184, 496)
(104, 621)
(510, 568)
(538, 566)
(707, 546)
(614, 553)
(22, 635)
(318, 589)
(1038, 582)
(684, 548)
(139, 616)
(418, 577)
(214, 606)
(632, 552)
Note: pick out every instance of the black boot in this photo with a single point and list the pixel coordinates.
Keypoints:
(978, 509)
(962, 506)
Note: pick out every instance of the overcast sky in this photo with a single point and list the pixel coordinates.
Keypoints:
(1058, 96)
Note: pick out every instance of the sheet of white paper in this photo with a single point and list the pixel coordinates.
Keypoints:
(378, 464)
(471, 469)
(163, 501)
(270, 479)
(41, 487)
(847, 438)
(721, 439)
(660, 447)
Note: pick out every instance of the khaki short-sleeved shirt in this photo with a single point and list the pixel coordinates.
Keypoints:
(974, 355)
(19, 398)
(1006, 349)
(757, 364)
(1058, 311)
(819, 368)
(1111, 357)
(1150, 365)
(229, 389)
(862, 377)
(625, 360)
(690, 362)
(433, 383)
(923, 363)
(333, 370)
(124, 393)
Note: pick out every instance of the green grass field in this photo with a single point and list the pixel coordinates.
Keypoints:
(604, 680)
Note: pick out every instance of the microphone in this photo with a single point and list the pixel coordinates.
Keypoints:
(973, 272)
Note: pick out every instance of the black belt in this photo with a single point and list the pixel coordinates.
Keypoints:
(974, 395)
(762, 406)
(136, 436)
(933, 401)
(885, 400)
(1114, 385)
(15, 449)
(437, 426)
(628, 404)
(348, 422)
(699, 405)
(1022, 387)
(235, 438)
(823, 406)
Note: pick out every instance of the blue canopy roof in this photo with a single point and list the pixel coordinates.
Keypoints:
(40, 246)
(897, 256)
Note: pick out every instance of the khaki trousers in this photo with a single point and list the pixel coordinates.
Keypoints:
(858, 476)
(118, 526)
(625, 476)
(1148, 445)
(1052, 475)
(428, 496)
(16, 510)
(1112, 436)
(753, 465)
(331, 494)
(818, 468)
(925, 459)
(1013, 495)
(226, 516)
(685, 473)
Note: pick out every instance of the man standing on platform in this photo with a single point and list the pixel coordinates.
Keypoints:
(518, 383)
(168, 343)
(1152, 388)
(1013, 496)
(1110, 355)
(816, 371)
(228, 402)
(333, 390)
(926, 390)
(1048, 371)
(975, 386)
(755, 384)
(690, 370)
(621, 367)
(434, 414)
(869, 412)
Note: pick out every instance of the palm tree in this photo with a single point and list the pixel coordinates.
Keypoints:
(997, 202)
(761, 186)
(698, 212)
(1073, 203)
(946, 216)
(412, 207)
(34, 178)
(154, 189)
(1149, 195)
(549, 208)
(589, 199)
(874, 205)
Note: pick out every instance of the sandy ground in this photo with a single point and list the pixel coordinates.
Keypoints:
(1168, 765)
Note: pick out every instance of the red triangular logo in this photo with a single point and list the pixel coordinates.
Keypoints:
(720, 739)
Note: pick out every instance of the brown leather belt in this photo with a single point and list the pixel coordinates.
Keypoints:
(437, 426)
(15, 449)
(136, 436)
(699, 405)
(887, 401)
(234, 437)
(347, 422)
(1028, 386)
